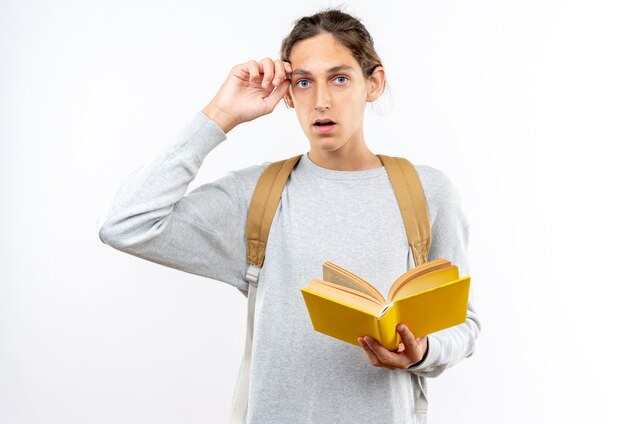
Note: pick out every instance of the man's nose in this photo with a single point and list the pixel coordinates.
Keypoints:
(322, 101)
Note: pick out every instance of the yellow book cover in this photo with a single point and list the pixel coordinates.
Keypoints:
(427, 298)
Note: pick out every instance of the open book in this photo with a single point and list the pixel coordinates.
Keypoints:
(427, 298)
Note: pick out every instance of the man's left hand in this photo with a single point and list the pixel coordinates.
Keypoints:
(410, 351)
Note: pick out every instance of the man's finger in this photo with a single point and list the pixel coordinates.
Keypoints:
(411, 344)
(384, 356)
(280, 74)
(267, 64)
(372, 358)
(253, 70)
(278, 93)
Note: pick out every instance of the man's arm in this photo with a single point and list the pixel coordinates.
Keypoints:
(201, 233)
(204, 232)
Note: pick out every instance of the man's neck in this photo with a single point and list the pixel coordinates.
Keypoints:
(345, 161)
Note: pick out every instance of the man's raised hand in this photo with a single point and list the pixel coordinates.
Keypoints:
(252, 89)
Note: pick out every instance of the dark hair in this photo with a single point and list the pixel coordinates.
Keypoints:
(347, 29)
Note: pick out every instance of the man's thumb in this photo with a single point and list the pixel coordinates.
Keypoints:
(278, 93)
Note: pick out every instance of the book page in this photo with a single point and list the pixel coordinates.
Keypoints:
(345, 295)
(411, 274)
(427, 282)
(335, 274)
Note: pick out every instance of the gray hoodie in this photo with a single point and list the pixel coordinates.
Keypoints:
(350, 218)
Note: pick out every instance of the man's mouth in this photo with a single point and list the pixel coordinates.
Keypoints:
(324, 126)
(323, 122)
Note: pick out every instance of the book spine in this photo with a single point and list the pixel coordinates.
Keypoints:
(388, 336)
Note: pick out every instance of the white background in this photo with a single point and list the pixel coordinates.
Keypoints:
(520, 103)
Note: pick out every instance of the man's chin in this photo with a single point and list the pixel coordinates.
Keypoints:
(326, 145)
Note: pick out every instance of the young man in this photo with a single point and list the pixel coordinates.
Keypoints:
(338, 205)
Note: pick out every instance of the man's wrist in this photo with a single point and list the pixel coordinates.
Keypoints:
(222, 119)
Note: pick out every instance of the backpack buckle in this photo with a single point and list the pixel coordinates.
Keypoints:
(252, 275)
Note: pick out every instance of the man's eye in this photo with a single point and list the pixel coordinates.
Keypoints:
(301, 82)
(342, 80)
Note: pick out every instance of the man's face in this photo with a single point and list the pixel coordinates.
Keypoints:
(327, 84)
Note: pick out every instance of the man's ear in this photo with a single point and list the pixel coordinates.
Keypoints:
(288, 100)
(376, 84)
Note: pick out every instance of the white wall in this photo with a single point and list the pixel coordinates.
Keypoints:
(521, 103)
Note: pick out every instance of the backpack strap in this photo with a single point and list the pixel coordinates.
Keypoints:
(261, 213)
(263, 207)
(412, 201)
(414, 210)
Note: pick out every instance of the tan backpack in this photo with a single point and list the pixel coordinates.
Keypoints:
(267, 194)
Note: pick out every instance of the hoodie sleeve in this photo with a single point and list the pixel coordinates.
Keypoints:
(203, 232)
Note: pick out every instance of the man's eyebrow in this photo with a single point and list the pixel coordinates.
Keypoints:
(328, 71)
